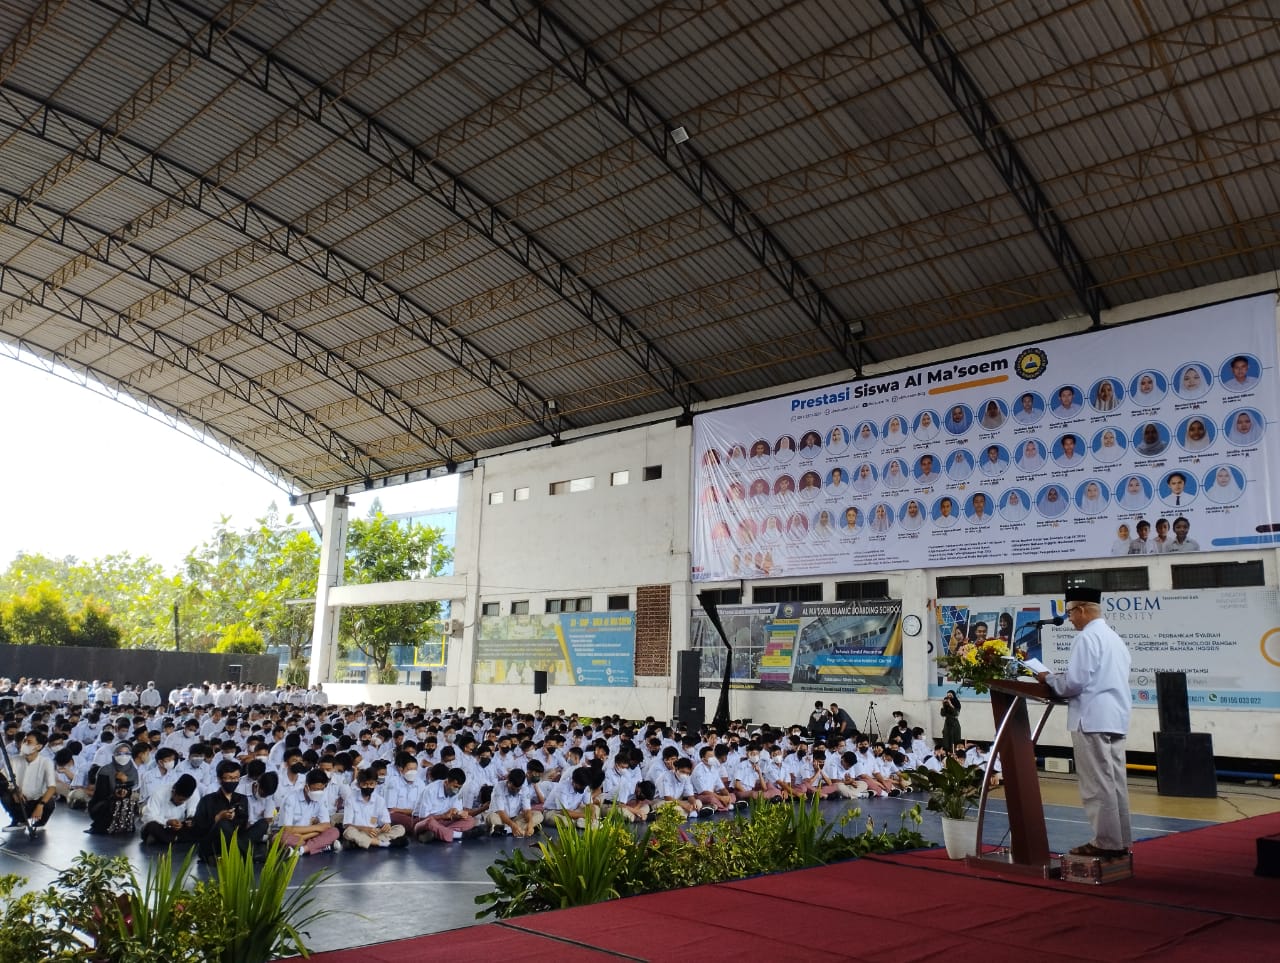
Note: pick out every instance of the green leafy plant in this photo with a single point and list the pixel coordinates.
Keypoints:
(262, 918)
(591, 865)
(952, 790)
(607, 861)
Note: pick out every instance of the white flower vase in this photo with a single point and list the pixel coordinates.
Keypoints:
(960, 836)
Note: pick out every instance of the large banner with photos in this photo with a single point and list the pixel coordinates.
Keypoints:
(1227, 641)
(1143, 439)
(804, 646)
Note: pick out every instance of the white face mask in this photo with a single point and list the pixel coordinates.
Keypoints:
(411, 775)
(122, 758)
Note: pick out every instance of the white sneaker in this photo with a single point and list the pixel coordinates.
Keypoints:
(336, 846)
(384, 842)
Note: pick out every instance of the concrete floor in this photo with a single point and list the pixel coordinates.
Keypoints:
(393, 894)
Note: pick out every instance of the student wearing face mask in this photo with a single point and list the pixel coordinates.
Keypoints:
(441, 812)
(221, 813)
(403, 791)
(305, 823)
(366, 819)
(30, 800)
(114, 806)
(749, 780)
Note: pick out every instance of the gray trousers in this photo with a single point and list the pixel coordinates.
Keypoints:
(1104, 787)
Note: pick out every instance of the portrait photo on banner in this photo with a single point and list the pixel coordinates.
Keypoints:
(1049, 449)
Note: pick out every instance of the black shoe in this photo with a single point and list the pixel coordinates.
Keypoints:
(895, 792)
(742, 806)
(400, 842)
(474, 833)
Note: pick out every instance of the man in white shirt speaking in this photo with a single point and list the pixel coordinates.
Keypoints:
(1096, 686)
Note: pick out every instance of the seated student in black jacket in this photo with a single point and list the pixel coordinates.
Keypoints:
(222, 813)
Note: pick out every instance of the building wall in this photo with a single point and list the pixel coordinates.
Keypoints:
(612, 538)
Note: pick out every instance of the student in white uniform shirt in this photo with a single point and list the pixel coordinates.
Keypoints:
(304, 817)
(366, 820)
(708, 787)
(674, 786)
(403, 789)
(167, 815)
(510, 807)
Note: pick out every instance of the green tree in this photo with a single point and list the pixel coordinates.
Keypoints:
(137, 592)
(252, 576)
(38, 616)
(381, 550)
(93, 628)
(241, 638)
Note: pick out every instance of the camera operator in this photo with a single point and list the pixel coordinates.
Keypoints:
(29, 801)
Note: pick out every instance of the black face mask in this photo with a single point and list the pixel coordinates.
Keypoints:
(298, 768)
(485, 760)
(366, 791)
(230, 787)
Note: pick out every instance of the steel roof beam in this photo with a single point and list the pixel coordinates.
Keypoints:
(123, 157)
(970, 102)
(259, 67)
(572, 56)
(101, 322)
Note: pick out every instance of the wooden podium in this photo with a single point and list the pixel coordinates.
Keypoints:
(1015, 744)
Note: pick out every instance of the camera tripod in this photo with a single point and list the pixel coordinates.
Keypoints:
(871, 724)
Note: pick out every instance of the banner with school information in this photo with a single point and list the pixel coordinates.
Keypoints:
(805, 646)
(1227, 641)
(573, 648)
(1152, 437)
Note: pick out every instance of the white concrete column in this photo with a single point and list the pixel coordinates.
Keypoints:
(333, 550)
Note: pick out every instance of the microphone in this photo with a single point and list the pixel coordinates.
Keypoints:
(1056, 620)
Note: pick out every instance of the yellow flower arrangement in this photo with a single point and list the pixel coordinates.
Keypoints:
(978, 664)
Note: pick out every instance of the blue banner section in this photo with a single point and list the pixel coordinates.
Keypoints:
(573, 648)
(601, 647)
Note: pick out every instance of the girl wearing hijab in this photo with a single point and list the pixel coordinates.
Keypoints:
(950, 720)
(114, 806)
(1221, 487)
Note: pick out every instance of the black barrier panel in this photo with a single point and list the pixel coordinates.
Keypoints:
(168, 670)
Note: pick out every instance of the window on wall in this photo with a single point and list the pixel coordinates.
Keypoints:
(619, 603)
(652, 472)
(520, 608)
(728, 596)
(876, 588)
(522, 494)
(620, 478)
(1218, 575)
(809, 592)
(569, 605)
(572, 485)
(963, 586)
(490, 608)
(495, 498)
(1131, 579)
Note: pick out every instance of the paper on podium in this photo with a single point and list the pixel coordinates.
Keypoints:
(1035, 665)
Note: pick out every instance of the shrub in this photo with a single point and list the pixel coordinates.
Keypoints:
(608, 861)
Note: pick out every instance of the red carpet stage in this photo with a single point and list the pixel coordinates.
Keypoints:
(1193, 896)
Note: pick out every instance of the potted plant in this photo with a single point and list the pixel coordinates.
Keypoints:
(953, 790)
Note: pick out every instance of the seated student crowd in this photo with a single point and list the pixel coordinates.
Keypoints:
(371, 777)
